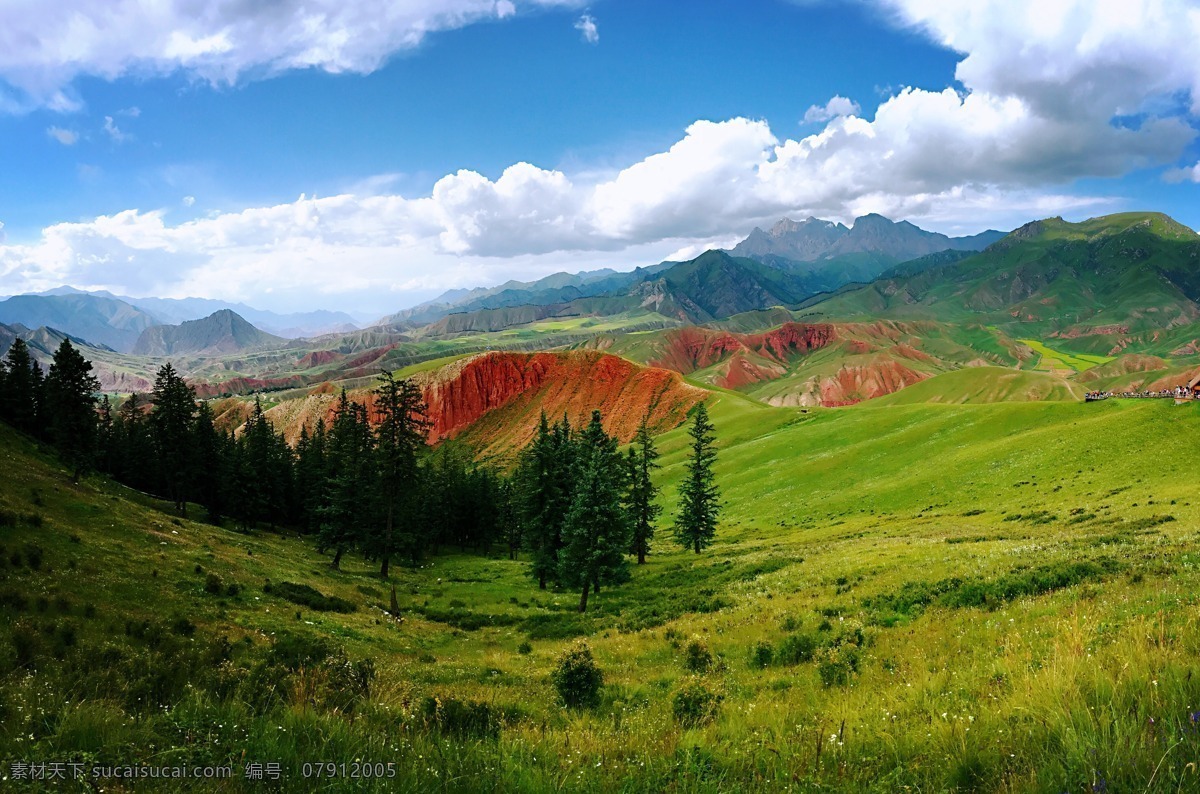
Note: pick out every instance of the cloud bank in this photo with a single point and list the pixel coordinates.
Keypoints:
(45, 46)
(1052, 92)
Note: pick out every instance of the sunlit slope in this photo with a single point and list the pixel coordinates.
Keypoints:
(1116, 275)
(986, 385)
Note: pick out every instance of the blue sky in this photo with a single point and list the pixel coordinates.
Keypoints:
(168, 156)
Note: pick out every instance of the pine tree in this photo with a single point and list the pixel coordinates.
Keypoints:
(312, 474)
(171, 428)
(699, 506)
(71, 401)
(398, 441)
(642, 494)
(596, 530)
(545, 490)
(211, 454)
(347, 504)
(22, 382)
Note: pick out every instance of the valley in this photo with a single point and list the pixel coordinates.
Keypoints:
(935, 567)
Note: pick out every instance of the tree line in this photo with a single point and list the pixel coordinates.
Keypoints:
(370, 484)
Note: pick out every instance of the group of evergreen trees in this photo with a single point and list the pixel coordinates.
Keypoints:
(369, 483)
(583, 507)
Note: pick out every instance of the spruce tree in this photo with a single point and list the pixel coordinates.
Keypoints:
(399, 438)
(544, 484)
(22, 381)
(171, 428)
(71, 402)
(642, 494)
(699, 506)
(347, 503)
(596, 531)
(209, 448)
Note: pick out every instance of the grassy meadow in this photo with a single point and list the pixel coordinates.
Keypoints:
(998, 597)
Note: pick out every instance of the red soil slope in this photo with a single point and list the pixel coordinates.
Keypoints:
(495, 400)
(692, 348)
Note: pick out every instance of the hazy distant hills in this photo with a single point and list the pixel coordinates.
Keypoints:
(220, 333)
(99, 320)
(117, 321)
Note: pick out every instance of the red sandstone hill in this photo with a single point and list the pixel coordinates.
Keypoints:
(751, 357)
(494, 400)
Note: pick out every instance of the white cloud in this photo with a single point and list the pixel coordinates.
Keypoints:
(43, 50)
(1036, 113)
(835, 107)
(586, 25)
(1191, 174)
(65, 137)
(188, 201)
(113, 131)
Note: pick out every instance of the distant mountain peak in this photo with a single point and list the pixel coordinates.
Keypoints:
(224, 331)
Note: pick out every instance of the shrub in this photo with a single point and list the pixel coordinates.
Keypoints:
(524, 649)
(762, 654)
(233, 589)
(310, 597)
(796, 648)
(836, 664)
(695, 705)
(183, 627)
(464, 719)
(213, 584)
(577, 679)
(33, 557)
(697, 657)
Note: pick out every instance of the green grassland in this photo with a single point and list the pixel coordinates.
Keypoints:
(1056, 359)
(995, 597)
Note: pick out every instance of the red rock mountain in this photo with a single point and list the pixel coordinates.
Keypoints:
(494, 401)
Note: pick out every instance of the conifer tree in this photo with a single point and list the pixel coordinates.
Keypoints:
(209, 447)
(347, 504)
(699, 506)
(22, 381)
(312, 473)
(171, 428)
(399, 438)
(544, 484)
(71, 401)
(642, 494)
(596, 530)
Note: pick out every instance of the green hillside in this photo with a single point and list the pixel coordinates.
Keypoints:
(994, 597)
(1118, 275)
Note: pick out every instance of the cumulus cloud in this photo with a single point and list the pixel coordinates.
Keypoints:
(65, 137)
(586, 25)
(42, 53)
(835, 107)
(1191, 174)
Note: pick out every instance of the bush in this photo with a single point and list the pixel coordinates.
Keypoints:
(310, 597)
(697, 657)
(695, 705)
(464, 719)
(577, 679)
(836, 664)
(33, 557)
(212, 584)
(525, 649)
(796, 648)
(762, 654)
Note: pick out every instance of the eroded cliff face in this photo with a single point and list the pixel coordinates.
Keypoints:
(495, 400)
(689, 349)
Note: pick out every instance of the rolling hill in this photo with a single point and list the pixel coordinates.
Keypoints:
(1096, 286)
